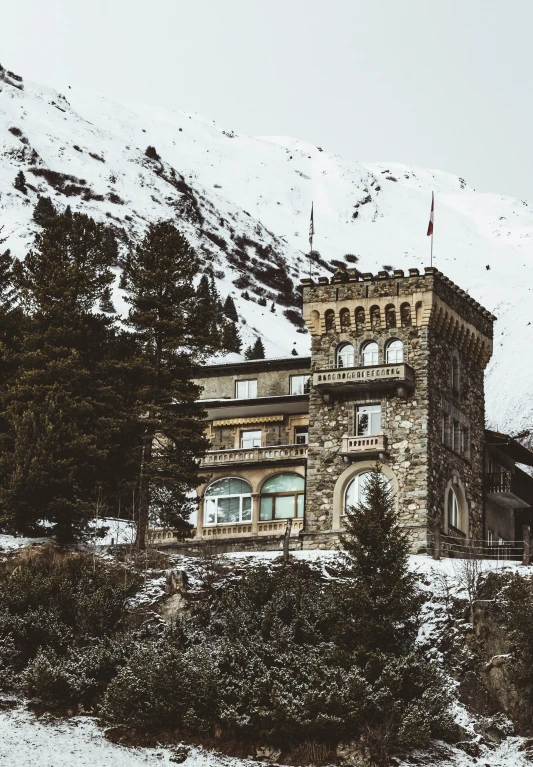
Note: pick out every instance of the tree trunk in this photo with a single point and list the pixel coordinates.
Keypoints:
(144, 494)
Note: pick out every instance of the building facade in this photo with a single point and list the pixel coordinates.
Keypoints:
(396, 375)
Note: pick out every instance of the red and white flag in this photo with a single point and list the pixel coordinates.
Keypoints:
(431, 215)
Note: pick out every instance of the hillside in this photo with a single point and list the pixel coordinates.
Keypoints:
(244, 202)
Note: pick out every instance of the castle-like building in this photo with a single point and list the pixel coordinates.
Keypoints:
(396, 375)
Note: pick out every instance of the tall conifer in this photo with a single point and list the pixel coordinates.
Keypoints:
(164, 314)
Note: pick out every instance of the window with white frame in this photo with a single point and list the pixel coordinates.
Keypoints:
(301, 435)
(394, 352)
(345, 356)
(227, 501)
(250, 439)
(490, 537)
(282, 497)
(299, 384)
(355, 492)
(246, 389)
(370, 354)
(453, 509)
(367, 420)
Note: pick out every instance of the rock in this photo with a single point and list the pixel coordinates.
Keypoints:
(179, 754)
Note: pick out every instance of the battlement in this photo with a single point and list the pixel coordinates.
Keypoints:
(428, 298)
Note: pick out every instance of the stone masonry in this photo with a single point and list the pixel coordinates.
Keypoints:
(436, 322)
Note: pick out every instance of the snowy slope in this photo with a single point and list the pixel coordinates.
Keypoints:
(223, 187)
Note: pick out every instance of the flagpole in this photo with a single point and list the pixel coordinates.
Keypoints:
(311, 233)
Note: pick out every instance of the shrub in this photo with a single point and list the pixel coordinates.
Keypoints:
(151, 152)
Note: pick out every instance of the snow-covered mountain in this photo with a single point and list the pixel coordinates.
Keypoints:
(244, 202)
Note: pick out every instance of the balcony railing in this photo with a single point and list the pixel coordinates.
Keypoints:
(363, 378)
(509, 489)
(255, 454)
(273, 527)
(376, 443)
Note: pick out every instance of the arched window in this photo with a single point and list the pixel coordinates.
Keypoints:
(345, 356)
(394, 353)
(329, 319)
(453, 509)
(355, 492)
(228, 500)
(344, 317)
(282, 497)
(390, 316)
(405, 315)
(315, 322)
(370, 354)
(375, 317)
(359, 320)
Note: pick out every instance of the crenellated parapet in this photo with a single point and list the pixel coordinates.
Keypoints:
(349, 303)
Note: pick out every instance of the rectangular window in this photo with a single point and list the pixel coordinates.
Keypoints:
(501, 542)
(246, 389)
(490, 537)
(250, 439)
(301, 435)
(299, 384)
(456, 436)
(445, 429)
(367, 420)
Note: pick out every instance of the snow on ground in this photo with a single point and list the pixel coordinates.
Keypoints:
(12, 543)
(78, 742)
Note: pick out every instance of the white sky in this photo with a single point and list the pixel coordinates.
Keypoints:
(443, 84)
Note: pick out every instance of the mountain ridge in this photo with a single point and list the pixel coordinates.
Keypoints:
(244, 203)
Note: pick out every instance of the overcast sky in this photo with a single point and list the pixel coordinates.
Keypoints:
(443, 84)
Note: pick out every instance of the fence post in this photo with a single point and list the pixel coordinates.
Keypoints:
(287, 540)
(436, 552)
(527, 545)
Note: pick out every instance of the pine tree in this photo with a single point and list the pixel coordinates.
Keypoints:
(106, 301)
(273, 308)
(61, 407)
(259, 350)
(44, 211)
(207, 316)
(20, 182)
(164, 309)
(384, 588)
(231, 340)
(151, 152)
(229, 309)
(249, 353)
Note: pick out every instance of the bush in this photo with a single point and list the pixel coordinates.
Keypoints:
(151, 152)
(64, 607)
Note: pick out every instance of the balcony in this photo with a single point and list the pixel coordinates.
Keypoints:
(274, 527)
(399, 377)
(508, 489)
(286, 453)
(360, 446)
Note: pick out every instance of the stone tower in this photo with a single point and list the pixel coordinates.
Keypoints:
(397, 376)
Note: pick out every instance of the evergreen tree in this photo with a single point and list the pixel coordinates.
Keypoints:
(384, 589)
(44, 211)
(229, 309)
(207, 316)
(151, 152)
(256, 351)
(61, 408)
(231, 340)
(20, 182)
(273, 308)
(164, 308)
(106, 301)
